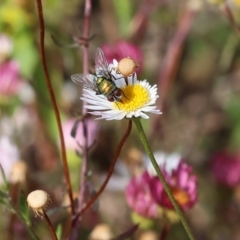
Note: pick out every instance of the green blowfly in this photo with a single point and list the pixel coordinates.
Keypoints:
(102, 82)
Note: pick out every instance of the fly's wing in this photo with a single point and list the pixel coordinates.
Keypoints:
(101, 64)
(87, 81)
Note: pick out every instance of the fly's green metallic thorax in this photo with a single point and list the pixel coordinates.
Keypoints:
(105, 86)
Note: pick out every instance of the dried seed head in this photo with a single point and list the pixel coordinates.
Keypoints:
(148, 235)
(19, 172)
(38, 200)
(127, 66)
(101, 232)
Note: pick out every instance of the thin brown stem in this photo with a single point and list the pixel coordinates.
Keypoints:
(171, 60)
(174, 53)
(138, 25)
(54, 102)
(14, 194)
(54, 236)
(86, 33)
(115, 157)
(230, 17)
(164, 233)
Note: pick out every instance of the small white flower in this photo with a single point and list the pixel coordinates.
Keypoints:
(9, 155)
(6, 45)
(138, 98)
(169, 162)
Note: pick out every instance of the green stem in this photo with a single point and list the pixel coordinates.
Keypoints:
(26, 225)
(148, 150)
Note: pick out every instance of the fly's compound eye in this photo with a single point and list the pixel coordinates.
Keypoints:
(117, 93)
(110, 98)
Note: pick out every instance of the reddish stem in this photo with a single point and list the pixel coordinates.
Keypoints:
(139, 23)
(174, 53)
(86, 32)
(172, 59)
(53, 100)
(164, 233)
(93, 199)
(230, 17)
(50, 225)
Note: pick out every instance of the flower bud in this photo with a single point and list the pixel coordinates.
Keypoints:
(101, 232)
(127, 66)
(18, 172)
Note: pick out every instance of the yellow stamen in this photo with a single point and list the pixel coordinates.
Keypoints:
(181, 196)
(133, 97)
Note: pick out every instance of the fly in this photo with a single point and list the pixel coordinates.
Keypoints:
(102, 82)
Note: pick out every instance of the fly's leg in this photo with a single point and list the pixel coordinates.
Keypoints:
(126, 79)
(98, 93)
(124, 95)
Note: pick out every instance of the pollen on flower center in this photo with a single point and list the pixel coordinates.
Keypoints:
(180, 195)
(133, 97)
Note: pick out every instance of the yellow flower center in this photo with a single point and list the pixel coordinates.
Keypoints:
(181, 196)
(133, 98)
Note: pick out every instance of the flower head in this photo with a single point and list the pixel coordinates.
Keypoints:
(10, 80)
(139, 197)
(38, 200)
(101, 232)
(182, 183)
(226, 168)
(122, 49)
(19, 172)
(145, 193)
(127, 66)
(137, 98)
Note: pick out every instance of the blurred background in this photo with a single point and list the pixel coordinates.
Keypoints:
(189, 49)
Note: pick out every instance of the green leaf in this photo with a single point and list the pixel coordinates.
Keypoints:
(59, 231)
(5, 183)
(233, 109)
(144, 222)
(2, 202)
(25, 52)
(13, 17)
(3, 194)
(24, 209)
(123, 9)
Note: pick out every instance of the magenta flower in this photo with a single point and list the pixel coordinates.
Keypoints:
(73, 143)
(146, 196)
(10, 80)
(123, 49)
(139, 197)
(182, 183)
(226, 168)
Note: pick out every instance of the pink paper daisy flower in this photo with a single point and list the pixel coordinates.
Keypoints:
(139, 197)
(226, 168)
(182, 183)
(10, 80)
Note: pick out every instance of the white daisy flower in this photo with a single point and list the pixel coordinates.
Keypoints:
(138, 98)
